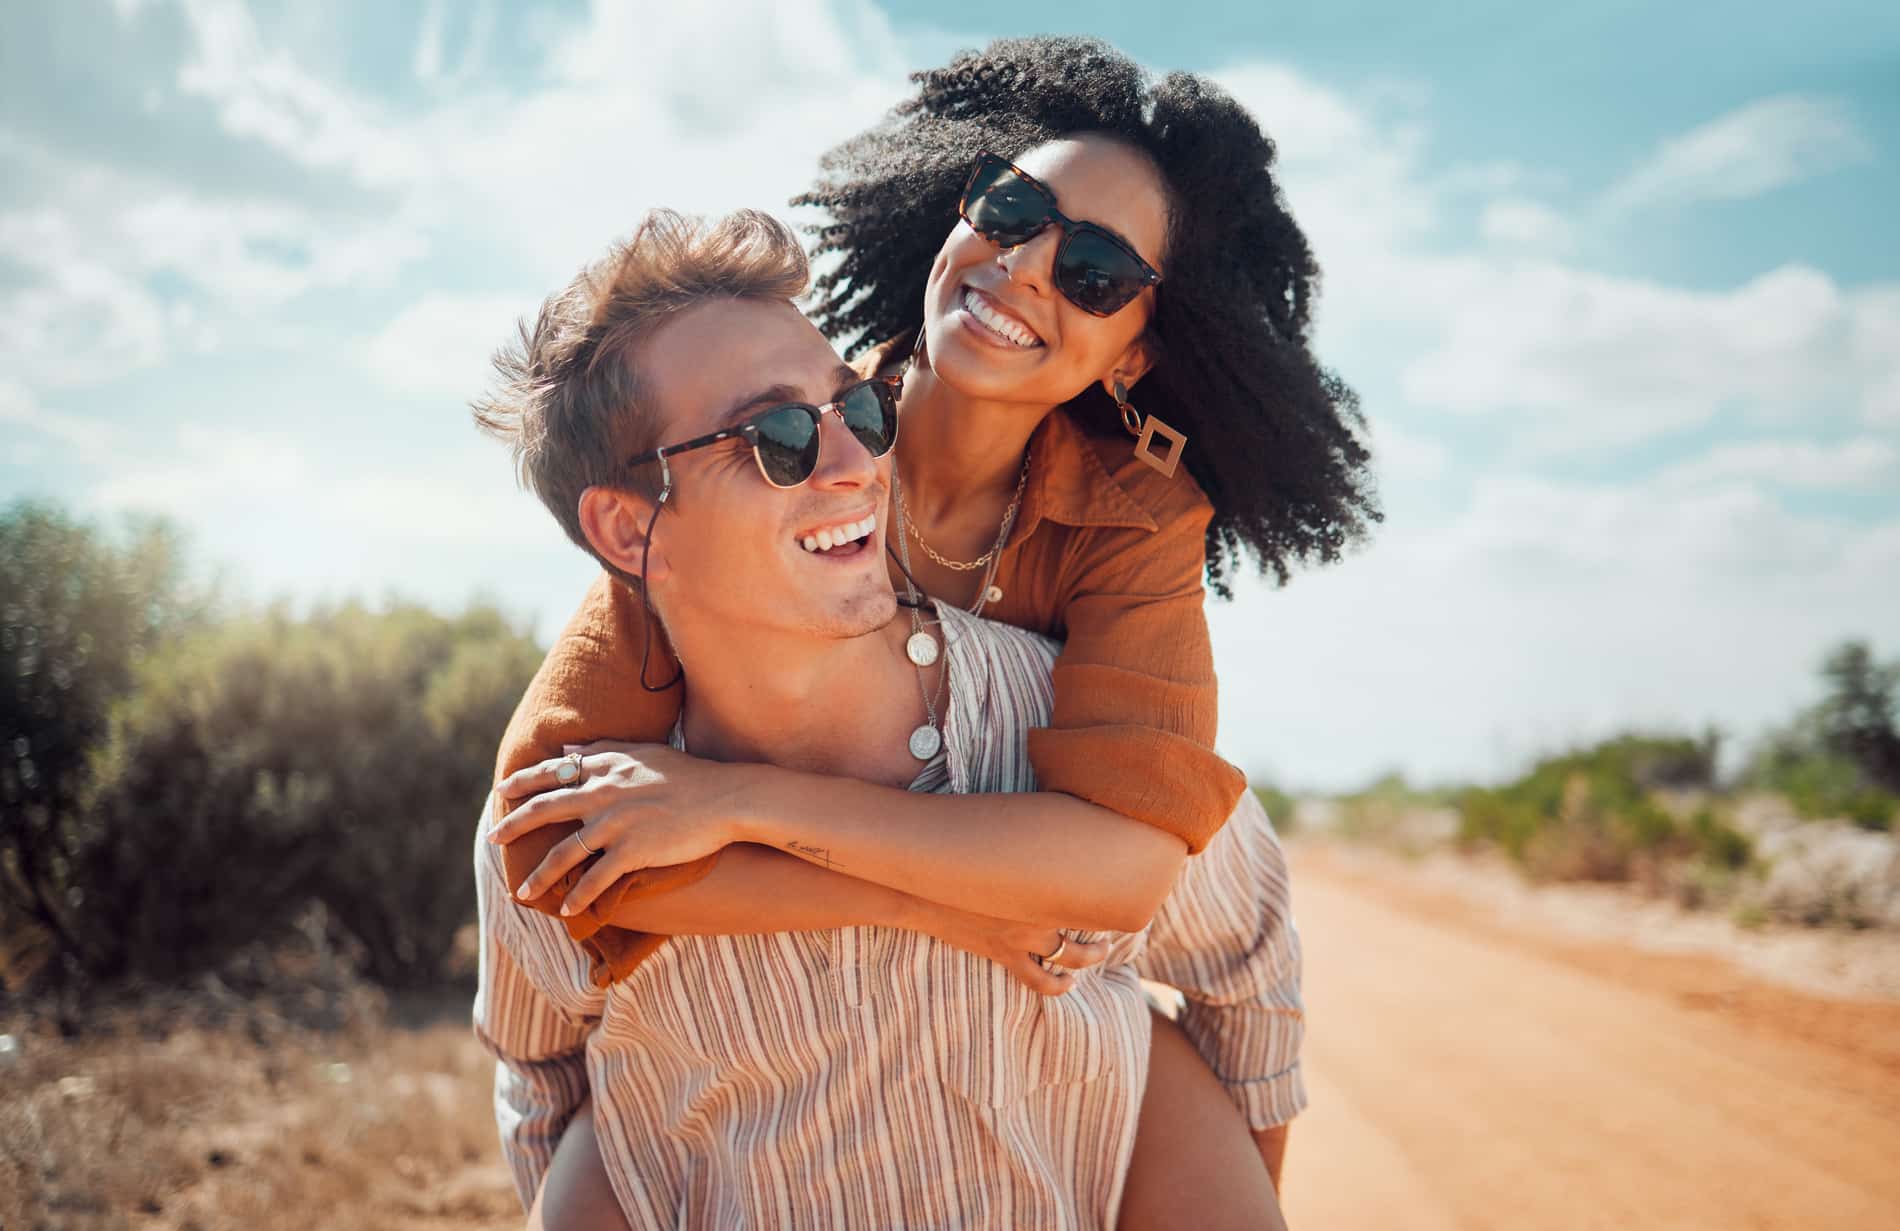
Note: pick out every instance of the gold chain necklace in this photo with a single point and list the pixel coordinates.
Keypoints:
(967, 566)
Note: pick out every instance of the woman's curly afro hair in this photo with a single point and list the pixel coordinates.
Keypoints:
(1273, 438)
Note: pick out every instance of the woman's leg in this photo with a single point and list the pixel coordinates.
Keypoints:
(1195, 1163)
(575, 1194)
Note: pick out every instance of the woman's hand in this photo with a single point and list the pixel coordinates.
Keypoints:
(1018, 948)
(640, 806)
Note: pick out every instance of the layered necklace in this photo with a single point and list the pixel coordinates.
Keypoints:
(922, 647)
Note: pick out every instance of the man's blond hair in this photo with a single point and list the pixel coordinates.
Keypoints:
(569, 400)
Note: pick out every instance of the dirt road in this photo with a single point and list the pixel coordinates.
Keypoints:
(1469, 1075)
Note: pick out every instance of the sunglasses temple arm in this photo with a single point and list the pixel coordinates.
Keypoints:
(666, 475)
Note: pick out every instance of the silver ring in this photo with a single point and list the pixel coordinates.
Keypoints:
(1062, 943)
(583, 843)
(568, 772)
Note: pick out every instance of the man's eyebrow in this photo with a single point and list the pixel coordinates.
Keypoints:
(843, 377)
(769, 396)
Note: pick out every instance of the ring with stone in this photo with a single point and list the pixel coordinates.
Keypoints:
(568, 772)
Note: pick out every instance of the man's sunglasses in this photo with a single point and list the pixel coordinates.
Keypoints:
(1096, 270)
(785, 438)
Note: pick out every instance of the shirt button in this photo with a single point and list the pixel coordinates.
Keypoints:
(993, 595)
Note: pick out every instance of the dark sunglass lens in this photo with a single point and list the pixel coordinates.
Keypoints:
(787, 445)
(870, 411)
(1004, 209)
(1097, 275)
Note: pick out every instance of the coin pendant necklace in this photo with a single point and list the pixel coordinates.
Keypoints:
(922, 650)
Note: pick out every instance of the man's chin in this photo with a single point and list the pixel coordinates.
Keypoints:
(864, 614)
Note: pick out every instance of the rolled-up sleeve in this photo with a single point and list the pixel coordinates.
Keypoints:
(534, 1010)
(1225, 938)
(1136, 704)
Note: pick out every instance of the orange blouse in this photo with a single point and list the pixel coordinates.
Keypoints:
(1106, 556)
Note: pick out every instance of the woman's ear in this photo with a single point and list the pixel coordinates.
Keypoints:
(1131, 365)
(616, 523)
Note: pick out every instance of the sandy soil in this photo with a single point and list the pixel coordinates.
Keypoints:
(1469, 1073)
(1480, 1055)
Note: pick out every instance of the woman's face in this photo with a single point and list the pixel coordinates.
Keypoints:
(1044, 350)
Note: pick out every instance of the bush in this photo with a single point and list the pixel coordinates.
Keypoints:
(1279, 806)
(1592, 814)
(79, 611)
(1840, 759)
(271, 761)
(1821, 785)
(259, 764)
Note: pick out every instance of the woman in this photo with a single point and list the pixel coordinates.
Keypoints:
(1125, 244)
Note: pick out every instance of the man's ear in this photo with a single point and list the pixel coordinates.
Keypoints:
(1132, 364)
(615, 522)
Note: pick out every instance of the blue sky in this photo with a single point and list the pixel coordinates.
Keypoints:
(1615, 282)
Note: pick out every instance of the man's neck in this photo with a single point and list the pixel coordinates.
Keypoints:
(841, 707)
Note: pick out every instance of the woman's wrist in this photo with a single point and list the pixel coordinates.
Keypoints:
(760, 804)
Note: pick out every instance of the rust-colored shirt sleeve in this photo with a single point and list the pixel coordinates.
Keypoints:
(1108, 558)
(1135, 695)
(588, 689)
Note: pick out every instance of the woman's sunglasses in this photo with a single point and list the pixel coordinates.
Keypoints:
(785, 438)
(1096, 270)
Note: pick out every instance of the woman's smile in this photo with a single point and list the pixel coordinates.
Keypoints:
(990, 321)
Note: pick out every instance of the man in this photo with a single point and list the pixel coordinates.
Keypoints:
(821, 1058)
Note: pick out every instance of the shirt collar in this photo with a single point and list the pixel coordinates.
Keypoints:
(1069, 483)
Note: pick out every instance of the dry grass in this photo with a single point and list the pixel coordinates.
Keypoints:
(242, 1119)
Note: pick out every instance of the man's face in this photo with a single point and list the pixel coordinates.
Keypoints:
(728, 549)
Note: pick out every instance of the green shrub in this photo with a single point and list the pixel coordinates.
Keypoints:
(266, 762)
(1821, 784)
(1279, 806)
(271, 761)
(80, 609)
(1591, 814)
(1840, 758)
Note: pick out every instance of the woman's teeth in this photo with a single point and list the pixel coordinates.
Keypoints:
(838, 536)
(1008, 327)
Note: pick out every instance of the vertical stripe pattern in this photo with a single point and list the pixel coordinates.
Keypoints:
(870, 1077)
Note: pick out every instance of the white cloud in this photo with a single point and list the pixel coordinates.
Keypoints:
(1591, 360)
(441, 345)
(1862, 462)
(98, 240)
(263, 93)
(1543, 615)
(1765, 145)
(428, 57)
(206, 466)
(1407, 456)
(79, 319)
(1570, 357)
(21, 412)
(1522, 223)
(1876, 350)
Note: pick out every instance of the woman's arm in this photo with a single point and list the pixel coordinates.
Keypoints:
(1136, 699)
(1042, 858)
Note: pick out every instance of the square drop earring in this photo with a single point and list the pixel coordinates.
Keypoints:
(1145, 432)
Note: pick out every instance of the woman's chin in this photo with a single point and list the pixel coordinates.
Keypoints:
(976, 370)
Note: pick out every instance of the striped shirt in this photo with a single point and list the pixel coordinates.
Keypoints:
(872, 1077)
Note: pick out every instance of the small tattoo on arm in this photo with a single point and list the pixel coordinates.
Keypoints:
(817, 854)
